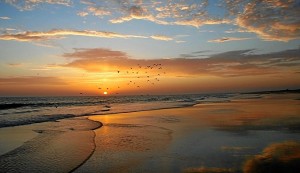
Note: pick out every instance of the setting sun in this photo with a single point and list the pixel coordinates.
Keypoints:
(105, 93)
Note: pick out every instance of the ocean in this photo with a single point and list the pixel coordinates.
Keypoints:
(15, 111)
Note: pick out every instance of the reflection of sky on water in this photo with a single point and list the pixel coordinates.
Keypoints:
(206, 148)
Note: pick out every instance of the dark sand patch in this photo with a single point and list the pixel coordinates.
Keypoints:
(276, 158)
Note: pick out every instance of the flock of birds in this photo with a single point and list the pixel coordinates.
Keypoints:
(139, 76)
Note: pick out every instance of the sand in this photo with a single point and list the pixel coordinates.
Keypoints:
(205, 138)
(210, 137)
(59, 147)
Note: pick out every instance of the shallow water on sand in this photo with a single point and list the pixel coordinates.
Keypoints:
(219, 136)
(58, 147)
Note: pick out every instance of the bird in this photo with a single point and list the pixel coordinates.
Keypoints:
(118, 71)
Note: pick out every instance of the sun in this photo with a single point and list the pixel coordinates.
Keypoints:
(105, 92)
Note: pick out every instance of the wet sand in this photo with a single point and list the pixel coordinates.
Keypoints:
(209, 137)
(212, 137)
(57, 147)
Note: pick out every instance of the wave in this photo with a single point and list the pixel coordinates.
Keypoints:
(32, 120)
(13, 105)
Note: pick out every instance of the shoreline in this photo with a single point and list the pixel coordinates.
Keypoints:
(99, 113)
(132, 107)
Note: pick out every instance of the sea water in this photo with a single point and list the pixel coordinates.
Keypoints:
(15, 111)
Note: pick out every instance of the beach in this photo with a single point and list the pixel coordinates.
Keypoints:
(207, 137)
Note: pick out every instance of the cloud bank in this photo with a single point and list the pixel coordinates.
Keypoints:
(271, 20)
(227, 64)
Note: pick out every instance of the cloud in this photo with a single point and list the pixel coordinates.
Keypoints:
(43, 38)
(31, 80)
(15, 64)
(271, 20)
(197, 22)
(227, 64)
(31, 36)
(187, 13)
(95, 53)
(197, 54)
(226, 39)
(98, 11)
(161, 37)
(137, 12)
(4, 18)
(31, 4)
(82, 13)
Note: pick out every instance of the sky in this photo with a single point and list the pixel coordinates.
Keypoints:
(134, 47)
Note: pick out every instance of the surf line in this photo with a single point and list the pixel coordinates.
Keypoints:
(94, 149)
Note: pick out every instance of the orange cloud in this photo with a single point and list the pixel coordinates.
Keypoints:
(227, 64)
